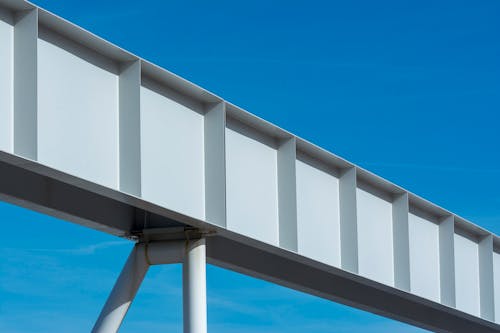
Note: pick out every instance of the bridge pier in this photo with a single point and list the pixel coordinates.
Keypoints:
(192, 254)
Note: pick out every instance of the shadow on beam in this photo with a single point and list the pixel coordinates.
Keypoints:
(342, 287)
(71, 199)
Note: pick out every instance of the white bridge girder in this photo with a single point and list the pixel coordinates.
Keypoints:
(173, 155)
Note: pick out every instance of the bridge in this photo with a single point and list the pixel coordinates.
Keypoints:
(97, 136)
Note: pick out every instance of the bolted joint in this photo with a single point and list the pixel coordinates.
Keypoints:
(169, 234)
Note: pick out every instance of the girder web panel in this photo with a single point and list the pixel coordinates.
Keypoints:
(375, 239)
(172, 153)
(467, 274)
(318, 214)
(424, 257)
(252, 184)
(77, 113)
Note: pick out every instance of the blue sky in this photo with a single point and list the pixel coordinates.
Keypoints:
(408, 89)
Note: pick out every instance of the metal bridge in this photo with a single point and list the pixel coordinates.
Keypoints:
(95, 135)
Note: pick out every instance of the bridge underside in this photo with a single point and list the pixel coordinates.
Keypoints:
(33, 186)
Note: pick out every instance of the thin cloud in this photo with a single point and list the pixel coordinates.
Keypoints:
(85, 250)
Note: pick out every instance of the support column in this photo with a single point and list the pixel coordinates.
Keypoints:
(195, 288)
(123, 292)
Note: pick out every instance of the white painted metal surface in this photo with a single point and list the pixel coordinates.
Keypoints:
(172, 147)
(195, 288)
(158, 143)
(424, 257)
(375, 237)
(6, 80)
(252, 184)
(318, 214)
(77, 118)
(467, 274)
(143, 255)
(123, 292)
